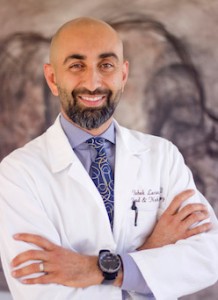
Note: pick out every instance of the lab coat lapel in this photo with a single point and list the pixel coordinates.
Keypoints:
(78, 173)
(129, 154)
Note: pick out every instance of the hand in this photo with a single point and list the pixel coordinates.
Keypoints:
(176, 222)
(61, 266)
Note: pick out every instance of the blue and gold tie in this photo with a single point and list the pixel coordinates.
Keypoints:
(102, 175)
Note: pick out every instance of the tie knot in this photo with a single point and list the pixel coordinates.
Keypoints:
(97, 143)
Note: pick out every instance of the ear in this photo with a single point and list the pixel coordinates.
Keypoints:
(50, 78)
(125, 73)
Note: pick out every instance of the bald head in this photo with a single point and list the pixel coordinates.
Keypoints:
(89, 31)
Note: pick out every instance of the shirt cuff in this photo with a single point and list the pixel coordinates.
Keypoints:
(132, 277)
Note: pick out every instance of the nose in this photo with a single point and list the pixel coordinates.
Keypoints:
(92, 79)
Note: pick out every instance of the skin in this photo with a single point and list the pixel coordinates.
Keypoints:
(80, 60)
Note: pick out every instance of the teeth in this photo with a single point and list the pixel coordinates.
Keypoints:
(97, 98)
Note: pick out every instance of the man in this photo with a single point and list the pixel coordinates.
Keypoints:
(62, 231)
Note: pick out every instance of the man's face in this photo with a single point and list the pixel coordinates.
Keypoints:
(90, 74)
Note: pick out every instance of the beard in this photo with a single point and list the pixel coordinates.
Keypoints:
(88, 117)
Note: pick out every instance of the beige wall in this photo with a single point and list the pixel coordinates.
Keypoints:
(164, 96)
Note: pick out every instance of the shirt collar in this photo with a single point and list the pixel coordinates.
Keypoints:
(77, 136)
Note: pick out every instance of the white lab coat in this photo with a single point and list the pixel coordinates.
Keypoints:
(45, 190)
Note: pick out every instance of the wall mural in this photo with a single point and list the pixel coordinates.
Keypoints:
(165, 96)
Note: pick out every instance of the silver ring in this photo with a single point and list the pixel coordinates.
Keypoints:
(41, 267)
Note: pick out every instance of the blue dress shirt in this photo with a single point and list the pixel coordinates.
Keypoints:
(132, 277)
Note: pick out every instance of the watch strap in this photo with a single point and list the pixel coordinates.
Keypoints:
(108, 282)
(110, 277)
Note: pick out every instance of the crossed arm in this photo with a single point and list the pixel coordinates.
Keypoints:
(68, 268)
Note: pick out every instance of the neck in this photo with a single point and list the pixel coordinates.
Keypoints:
(94, 131)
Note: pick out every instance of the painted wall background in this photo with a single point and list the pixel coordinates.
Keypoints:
(172, 88)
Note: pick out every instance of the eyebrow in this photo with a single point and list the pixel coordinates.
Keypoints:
(74, 56)
(108, 54)
(83, 57)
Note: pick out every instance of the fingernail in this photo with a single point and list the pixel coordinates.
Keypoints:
(16, 236)
(24, 281)
(191, 192)
(13, 273)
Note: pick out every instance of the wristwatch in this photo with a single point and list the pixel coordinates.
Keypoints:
(110, 264)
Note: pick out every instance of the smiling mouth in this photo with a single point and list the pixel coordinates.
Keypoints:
(92, 100)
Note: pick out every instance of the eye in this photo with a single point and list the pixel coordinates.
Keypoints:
(76, 66)
(107, 66)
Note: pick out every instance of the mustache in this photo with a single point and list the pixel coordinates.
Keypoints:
(85, 91)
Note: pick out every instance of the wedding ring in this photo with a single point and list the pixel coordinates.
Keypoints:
(41, 267)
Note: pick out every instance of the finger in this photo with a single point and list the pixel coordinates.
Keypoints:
(178, 200)
(35, 239)
(199, 229)
(192, 209)
(27, 270)
(195, 218)
(29, 255)
(44, 279)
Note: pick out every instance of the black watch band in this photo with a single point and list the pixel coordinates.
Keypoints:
(108, 276)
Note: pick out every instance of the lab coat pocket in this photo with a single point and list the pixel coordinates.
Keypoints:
(140, 220)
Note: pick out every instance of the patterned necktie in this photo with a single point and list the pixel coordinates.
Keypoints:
(102, 175)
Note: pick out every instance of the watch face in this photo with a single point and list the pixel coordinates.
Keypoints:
(109, 262)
